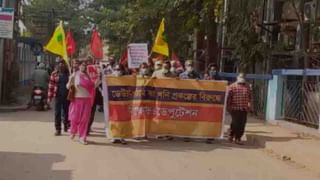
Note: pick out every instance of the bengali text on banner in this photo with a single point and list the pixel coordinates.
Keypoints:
(140, 107)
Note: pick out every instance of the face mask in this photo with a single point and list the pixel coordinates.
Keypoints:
(144, 71)
(212, 73)
(165, 71)
(189, 69)
(173, 70)
(240, 80)
(157, 67)
(117, 73)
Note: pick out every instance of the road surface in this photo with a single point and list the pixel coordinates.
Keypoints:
(29, 151)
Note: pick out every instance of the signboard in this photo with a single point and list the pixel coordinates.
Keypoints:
(141, 107)
(137, 54)
(6, 22)
(93, 72)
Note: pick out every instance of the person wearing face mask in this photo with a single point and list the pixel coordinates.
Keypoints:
(82, 103)
(157, 66)
(173, 67)
(144, 71)
(118, 71)
(190, 72)
(164, 72)
(107, 70)
(212, 73)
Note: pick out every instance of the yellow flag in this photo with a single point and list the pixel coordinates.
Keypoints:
(161, 45)
(57, 44)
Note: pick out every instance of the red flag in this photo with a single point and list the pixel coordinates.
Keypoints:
(96, 45)
(124, 58)
(71, 44)
(175, 58)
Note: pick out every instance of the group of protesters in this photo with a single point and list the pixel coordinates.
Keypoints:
(77, 95)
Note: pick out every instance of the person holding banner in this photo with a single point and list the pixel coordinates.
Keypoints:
(189, 73)
(144, 70)
(239, 104)
(164, 72)
(174, 68)
(118, 71)
(212, 73)
(157, 66)
(82, 103)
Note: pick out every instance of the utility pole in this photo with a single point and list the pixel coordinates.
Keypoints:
(224, 30)
(1, 57)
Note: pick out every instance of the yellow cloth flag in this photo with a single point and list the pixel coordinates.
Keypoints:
(161, 45)
(57, 44)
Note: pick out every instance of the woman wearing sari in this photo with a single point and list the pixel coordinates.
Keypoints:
(82, 102)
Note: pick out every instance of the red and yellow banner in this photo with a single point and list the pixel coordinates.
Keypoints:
(141, 107)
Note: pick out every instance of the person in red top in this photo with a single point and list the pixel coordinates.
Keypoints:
(239, 104)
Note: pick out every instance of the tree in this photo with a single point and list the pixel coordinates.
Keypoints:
(242, 33)
(128, 21)
(42, 16)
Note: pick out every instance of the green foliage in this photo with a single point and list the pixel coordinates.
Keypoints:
(128, 21)
(242, 33)
(42, 16)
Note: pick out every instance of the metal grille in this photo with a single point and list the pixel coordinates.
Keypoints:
(301, 102)
(260, 93)
(311, 104)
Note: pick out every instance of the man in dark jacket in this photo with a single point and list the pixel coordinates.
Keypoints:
(58, 90)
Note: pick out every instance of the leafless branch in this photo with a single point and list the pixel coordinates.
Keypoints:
(297, 12)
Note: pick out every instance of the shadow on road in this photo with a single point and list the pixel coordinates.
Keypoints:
(255, 138)
(29, 166)
(159, 145)
(260, 140)
(36, 116)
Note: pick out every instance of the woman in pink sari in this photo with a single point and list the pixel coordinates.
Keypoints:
(81, 104)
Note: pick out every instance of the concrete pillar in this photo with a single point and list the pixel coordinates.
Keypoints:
(319, 124)
(275, 98)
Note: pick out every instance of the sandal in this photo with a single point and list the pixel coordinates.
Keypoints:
(83, 142)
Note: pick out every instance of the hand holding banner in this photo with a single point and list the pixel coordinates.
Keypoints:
(140, 107)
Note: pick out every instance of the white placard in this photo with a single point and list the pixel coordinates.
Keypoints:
(137, 54)
(6, 22)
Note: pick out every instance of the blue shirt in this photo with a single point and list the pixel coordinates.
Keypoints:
(190, 75)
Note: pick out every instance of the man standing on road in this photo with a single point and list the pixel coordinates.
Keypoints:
(191, 73)
(40, 77)
(239, 104)
(58, 90)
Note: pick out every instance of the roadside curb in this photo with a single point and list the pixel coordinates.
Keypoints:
(301, 129)
(13, 108)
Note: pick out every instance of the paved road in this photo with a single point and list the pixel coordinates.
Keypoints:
(29, 151)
